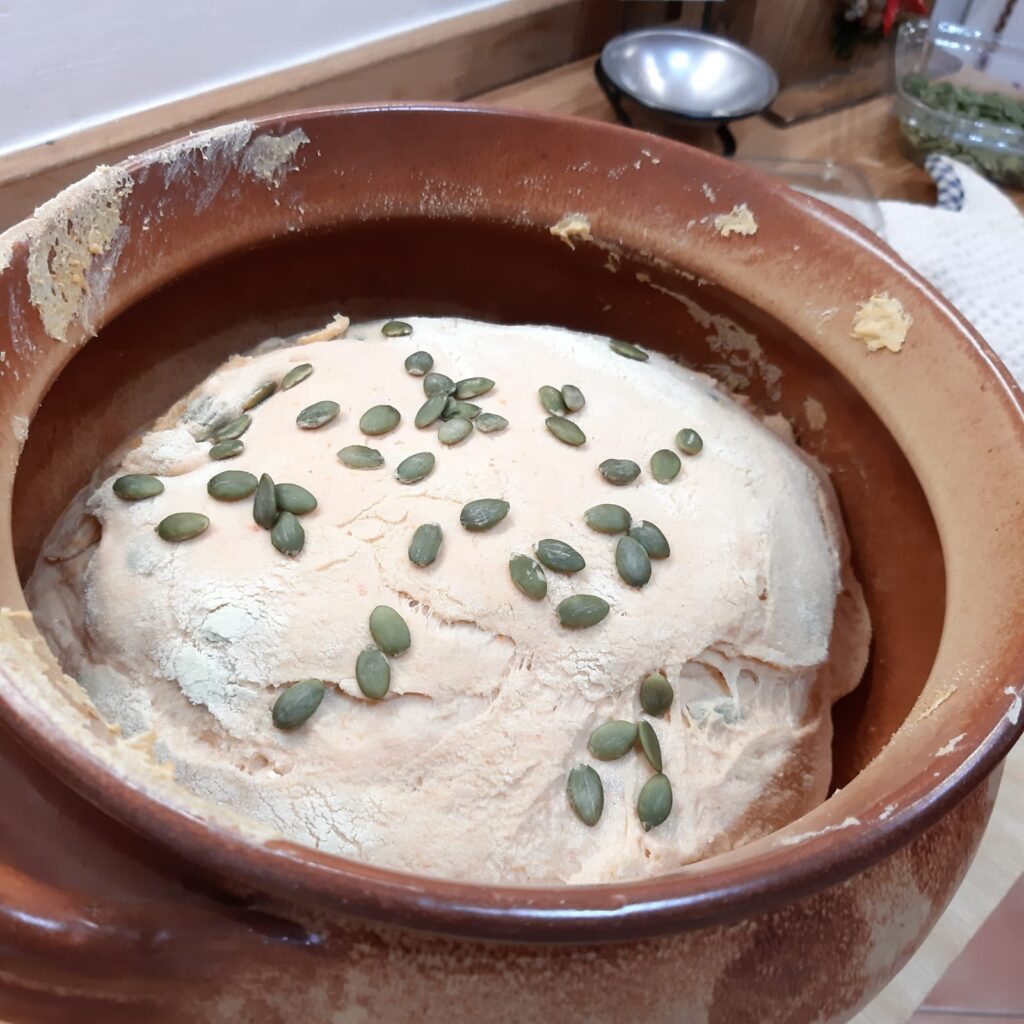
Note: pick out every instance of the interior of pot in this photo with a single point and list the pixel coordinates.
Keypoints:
(158, 348)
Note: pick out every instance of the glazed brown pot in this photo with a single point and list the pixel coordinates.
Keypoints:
(123, 898)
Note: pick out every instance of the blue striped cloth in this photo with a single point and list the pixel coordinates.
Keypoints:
(947, 181)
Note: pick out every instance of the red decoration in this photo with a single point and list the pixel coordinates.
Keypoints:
(894, 7)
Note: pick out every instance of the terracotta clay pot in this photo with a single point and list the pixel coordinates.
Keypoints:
(123, 898)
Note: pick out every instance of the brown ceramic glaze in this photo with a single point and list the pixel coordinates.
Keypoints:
(120, 896)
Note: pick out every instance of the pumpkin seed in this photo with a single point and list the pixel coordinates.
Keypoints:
(293, 498)
(297, 703)
(582, 610)
(287, 534)
(551, 399)
(296, 375)
(558, 555)
(180, 526)
(425, 544)
(528, 576)
(414, 468)
(665, 466)
(260, 395)
(226, 449)
(454, 431)
(572, 398)
(419, 363)
(632, 561)
(689, 441)
(358, 456)
(430, 410)
(654, 804)
(389, 631)
(483, 513)
(231, 485)
(317, 414)
(264, 505)
(608, 518)
(648, 740)
(612, 740)
(467, 410)
(619, 471)
(565, 430)
(380, 419)
(586, 794)
(624, 348)
(373, 673)
(473, 387)
(137, 487)
(656, 694)
(438, 384)
(233, 430)
(490, 422)
(396, 329)
(654, 541)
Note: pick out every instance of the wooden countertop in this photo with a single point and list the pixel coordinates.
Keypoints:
(865, 136)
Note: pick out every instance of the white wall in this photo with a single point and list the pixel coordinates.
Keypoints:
(67, 64)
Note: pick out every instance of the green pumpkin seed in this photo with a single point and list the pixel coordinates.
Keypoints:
(296, 375)
(619, 471)
(632, 561)
(231, 485)
(430, 410)
(490, 422)
(612, 740)
(419, 363)
(137, 487)
(414, 468)
(656, 695)
(233, 430)
(623, 348)
(586, 794)
(665, 466)
(528, 576)
(689, 441)
(483, 513)
(226, 449)
(380, 419)
(654, 804)
(582, 610)
(358, 456)
(648, 740)
(287, 534)
(565, 430)
(473, 387)
(654, 541)
(608, 518)
(396, 329)
(467, 410)
(297, 703)
(293, 498)
(572, 398)
(551, 399)
(180, 526)
(260, 395)
(264, 505)
(317, 414)
(438, 384)
(425, 544)
(373, 673)
(559, 556)
(389, 631)
(454, 431)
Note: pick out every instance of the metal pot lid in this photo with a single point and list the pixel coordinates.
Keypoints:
(690, 74)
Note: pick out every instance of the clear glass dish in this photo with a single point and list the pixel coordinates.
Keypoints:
(958, 92)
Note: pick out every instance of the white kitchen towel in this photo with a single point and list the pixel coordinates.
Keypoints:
(974, 256)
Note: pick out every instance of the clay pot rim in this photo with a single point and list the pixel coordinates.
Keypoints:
(620, 911)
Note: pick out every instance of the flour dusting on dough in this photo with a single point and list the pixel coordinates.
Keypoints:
(881, 322)
(738, 221)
